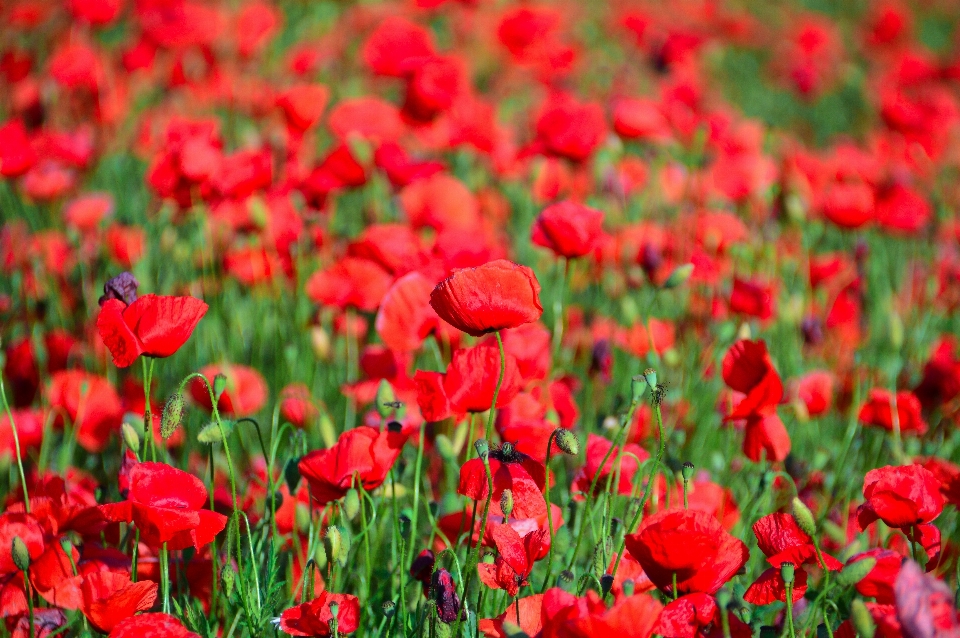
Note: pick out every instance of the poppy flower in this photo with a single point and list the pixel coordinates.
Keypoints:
(351, 282)
(782, 541)
(752, 298)
(492, 297)
(688, 545)
(568, 229)
(154, 625)
(765, 435)
(511, 470)
(941, 374)
(878, 411)
(568, 128)
(815, 391)
(395, 46)
(111, 597)
(244, 394)
(362, 456)
(879, 582)
(153, 325)
(687, 615)
(515, 559)
(297, 406)
(90, 402)
(629, 617)
(16, 153)
(747, 369)
(313, 618)
(167, 506)
(405, 317)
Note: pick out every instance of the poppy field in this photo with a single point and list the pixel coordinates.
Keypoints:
(463, 318)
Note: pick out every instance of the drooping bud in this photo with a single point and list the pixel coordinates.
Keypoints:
(788, 572)
(219, 385)
(172, 415)
(386, 399)
(506, 503)
(228, 578)
(130, 436)
(803, 516)
(687, 471)
(482, 448)
(678, 277)
(20, 553)
(567, 441)
(333, 543)
(862, 619)
(351, 504)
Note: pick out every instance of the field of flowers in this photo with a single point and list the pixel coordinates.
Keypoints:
(473, 318)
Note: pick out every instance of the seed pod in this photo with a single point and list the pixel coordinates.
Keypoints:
(788, 572)
(389, 608)
(482, 448)
(687, 471)
(638, 385)
(506, 503)
(650, 376)
(21, 555)
(172, 415)
(803, 516)
(130, 436)
(565, 580)
(862, 619)
(567, 441)
(219, 385)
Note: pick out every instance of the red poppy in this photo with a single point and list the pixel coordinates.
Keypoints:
(90, 402)
(900, 496)
(568, 128)
(362, 456)
(395, 46)
(815, 391)
(492, 297)
(406, 317)
(313, 618)
(765, 435)
(245, 392)
(153, 325)
(111, 597)
(879, 582)
(154, 625)
(515, 559)
(297, 405)
(568, 229)
(878, 411)
(782, 541)
(167, 506)
(511, 470)
(941, 374)
(747, 369)
(629, 617)
(947, 473)
(752, 298)
(849, 204)
(352, 281)
(16, 154)
(690, 546)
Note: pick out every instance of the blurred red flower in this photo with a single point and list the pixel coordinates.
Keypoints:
(568, 229)
(313, 618)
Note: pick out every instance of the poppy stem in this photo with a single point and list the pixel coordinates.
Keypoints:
(496, 392)
(563, 268)
(165, 578)
(150, 444)
(789, 597)
(546, 495)
(16, 446)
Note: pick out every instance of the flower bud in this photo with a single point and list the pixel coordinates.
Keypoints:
(678, 277)
(862, 620)
(172, 415)
(386, 399)
(130, 436)
(219, 385)
(333, 543)
(606, 582)
(482, 448)
(804, 517)
(21, 555)
(687, 471)
(320, 341)
(788, 572)
(506, 503)
(228, 578)
(351, 504)
(291, 474)
(854, 572)
(567, 441)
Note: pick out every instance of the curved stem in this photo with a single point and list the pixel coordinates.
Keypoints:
(496, 392)
(546, 495)
(16, 445)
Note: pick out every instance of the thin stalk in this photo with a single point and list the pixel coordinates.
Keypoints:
(16, 445)
(496, 392)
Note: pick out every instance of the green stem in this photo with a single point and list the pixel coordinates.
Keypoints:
(546, 496)
(789, 597)
(165, 578)
(496, 392)
(16, 445)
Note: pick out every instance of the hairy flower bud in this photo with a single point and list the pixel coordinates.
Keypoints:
(130, 436)
(228, 578)
(20, 553)
(219, 385)
(862, 620)
(386, 399)
(567, 441)
(803, 516)
(172, 415)
(506, 503)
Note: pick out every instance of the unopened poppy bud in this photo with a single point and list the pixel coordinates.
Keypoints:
(333, 543)
(687, 471)
(506, 503)
(482, 448)
(679, 276)
(856, 571)
(21, 555)
(803, 516)
(228, 578)
(351, 504)
(130, 436)
(638, 386)
(628, 587)
(219, 385)
(567, 441)
(606, 582)
(172, 415)
(862, 619)
(389, 608)
(788, 572)
(386, 399)
(650, 376)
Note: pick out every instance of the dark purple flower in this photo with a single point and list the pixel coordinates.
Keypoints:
(123, 287)
(445, 595)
